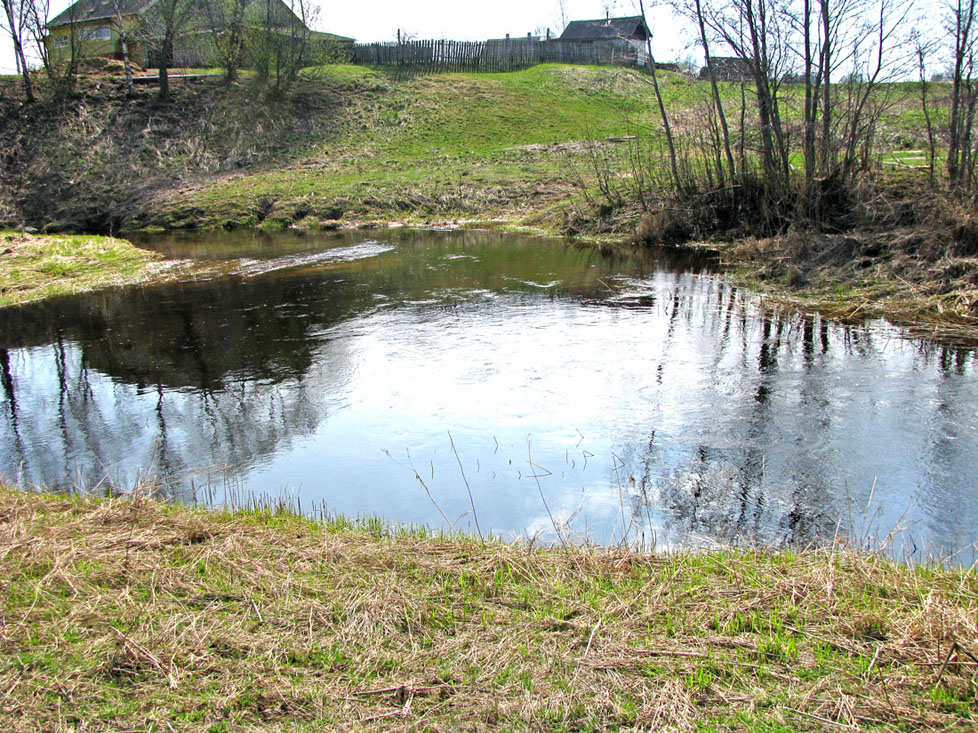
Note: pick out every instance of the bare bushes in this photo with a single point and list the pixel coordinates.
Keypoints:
(746, 207)
(927, 225)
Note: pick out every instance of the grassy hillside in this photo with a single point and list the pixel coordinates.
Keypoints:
(526, 146)
(440, 147)
(134, 615)
(348, 142)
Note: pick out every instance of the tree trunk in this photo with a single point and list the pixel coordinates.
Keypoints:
(931, 141)
(826, 66)
(164, 68)
(124, 42)
(810, 102)
(716, 92)
(15, 36)
(962, 94)
(677, 181)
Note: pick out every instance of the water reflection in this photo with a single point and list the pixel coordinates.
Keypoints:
(641, 397)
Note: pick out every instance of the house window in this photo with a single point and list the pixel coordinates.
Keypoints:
(98, 33)
(61, 42)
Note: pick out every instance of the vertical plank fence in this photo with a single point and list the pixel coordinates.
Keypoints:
(434, 56)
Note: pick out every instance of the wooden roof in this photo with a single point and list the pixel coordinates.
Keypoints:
(84, 11)
(607, 29)
(87, 10)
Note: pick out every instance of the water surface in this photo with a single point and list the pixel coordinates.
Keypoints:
(598, 393)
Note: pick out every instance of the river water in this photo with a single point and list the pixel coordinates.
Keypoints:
(502, 385)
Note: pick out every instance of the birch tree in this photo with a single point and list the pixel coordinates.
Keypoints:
(123, 32)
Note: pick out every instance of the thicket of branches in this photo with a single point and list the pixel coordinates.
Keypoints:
(270, 37)
(815, 83)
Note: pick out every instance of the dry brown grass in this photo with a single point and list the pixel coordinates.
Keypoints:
(128, 614)
(925, 278)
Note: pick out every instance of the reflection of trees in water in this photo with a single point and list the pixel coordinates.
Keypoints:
(742, 480)
(747, 411)
(102, 431)
(950, 420)
(10, 412)
(166, 380)
(228, 371)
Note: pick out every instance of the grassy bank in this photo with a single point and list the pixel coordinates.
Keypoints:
(34, 267)
(128, 614)
(432, 150)
(925, 279)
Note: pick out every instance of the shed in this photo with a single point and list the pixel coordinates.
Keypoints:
(728, 68)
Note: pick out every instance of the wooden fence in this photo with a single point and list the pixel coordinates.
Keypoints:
(494, 56)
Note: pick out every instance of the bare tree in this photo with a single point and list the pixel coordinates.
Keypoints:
(717, 102)
(562, 19)
(758, 35)
(923, 50)
(280, 42)
(964, 93)
(667, 128)
(16, 21)
(403, 35)
(159, 27)
(850, 48)
(228, 23)
(123, 32)
(61, 67)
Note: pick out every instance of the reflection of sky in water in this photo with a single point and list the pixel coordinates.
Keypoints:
(650, 400)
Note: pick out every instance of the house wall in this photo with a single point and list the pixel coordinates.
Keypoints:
(92, 38)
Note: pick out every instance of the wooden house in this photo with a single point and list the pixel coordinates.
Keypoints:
(92, 28)
(728, 68)
(612, 38)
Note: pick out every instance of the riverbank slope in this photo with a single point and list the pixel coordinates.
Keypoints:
(553, 149)
(128, 613)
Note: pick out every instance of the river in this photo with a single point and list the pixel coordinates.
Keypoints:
(501, 385)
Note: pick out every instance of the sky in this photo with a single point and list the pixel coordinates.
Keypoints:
(459, 20)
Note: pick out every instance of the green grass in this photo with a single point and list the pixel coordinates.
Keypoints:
(131, 614)
(34, 267)
(443, 146)
(516, 146)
